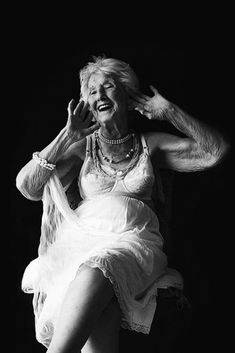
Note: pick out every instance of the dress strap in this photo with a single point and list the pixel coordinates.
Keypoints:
(144, 144)
(88, 146)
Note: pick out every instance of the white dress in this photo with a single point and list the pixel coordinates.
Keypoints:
(112, 229)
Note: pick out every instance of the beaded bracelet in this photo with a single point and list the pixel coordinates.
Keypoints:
(43, 162)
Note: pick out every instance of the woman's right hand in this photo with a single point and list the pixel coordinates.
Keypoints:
(79, 121)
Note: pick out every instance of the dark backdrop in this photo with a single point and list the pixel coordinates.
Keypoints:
(193, 74)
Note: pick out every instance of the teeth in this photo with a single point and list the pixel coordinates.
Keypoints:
(103, 106)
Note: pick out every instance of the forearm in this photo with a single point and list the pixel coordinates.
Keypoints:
(32, 177)
(206, 139)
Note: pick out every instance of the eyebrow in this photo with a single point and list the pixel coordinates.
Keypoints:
(91, 87)
(107, 80)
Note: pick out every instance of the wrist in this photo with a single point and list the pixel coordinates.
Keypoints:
(43, 162)
(163, 106)
(65, 139)
(53, 152)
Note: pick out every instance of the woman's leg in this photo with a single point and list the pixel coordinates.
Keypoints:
(88, 295)
(104, 337)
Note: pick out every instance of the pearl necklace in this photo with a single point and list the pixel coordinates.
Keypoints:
(115, 141)
(111, 161)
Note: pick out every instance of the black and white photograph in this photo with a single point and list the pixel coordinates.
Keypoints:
(120, 194)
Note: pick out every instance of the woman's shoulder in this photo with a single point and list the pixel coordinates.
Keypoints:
(153, 139)
(155, 142)
(158, 140)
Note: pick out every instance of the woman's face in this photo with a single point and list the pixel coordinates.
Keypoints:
(107, 97)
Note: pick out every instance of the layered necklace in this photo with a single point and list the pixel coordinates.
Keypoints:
(129, 154)
(115, 141)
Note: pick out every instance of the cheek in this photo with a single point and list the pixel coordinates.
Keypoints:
(120, 96)
(91, 104)
(93, 111)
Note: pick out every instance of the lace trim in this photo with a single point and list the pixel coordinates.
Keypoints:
(135, 327)
(125, 323)
(108, 275)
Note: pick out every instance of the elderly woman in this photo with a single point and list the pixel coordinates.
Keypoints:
(101, 264)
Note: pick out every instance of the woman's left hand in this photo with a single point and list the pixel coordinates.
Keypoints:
(151, 107)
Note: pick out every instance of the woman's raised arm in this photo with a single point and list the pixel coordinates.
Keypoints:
(65, 152)
(201, 148)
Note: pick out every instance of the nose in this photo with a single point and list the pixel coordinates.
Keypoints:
(101, 93)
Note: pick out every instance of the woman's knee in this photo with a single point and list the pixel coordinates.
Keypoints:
(95, 274)
(94, 284)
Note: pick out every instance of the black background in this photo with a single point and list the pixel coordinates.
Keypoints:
(192, 69)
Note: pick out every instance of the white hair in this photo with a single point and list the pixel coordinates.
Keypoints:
(121, 70)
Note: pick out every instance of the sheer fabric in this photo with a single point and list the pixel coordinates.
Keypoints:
(112, 229)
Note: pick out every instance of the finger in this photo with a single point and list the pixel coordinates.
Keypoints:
(88, 118)
(84, 111)
(154, 90)
(147, 108)
(134, 104)
(92, 128)
(79, 107)
(140, 98)
(144, 96)
(134, 95)
(138, 109)
(70, 107)
(149, 116)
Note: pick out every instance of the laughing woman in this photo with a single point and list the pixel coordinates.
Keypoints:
(101, 263)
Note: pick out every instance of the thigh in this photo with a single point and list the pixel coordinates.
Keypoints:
(105, 335)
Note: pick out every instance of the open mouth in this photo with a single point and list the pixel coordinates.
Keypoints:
(104, 107)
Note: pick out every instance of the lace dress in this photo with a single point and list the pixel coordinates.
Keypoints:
(112, 229)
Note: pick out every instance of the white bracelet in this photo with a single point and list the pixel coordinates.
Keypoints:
(43, 162)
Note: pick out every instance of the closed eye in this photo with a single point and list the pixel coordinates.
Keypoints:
(108, 86)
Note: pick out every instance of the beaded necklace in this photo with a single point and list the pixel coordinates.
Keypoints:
(111, 160)
(115, 141)
(118, 172)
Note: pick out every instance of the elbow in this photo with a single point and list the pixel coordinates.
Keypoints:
(222, 152)
(22, 186)
(20, 183)
(218, 155)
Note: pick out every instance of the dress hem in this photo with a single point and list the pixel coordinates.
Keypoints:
(125, 324)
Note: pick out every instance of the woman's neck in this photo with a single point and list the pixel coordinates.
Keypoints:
(114, 130)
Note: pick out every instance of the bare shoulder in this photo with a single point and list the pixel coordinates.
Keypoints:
(170, 151)
(158, 141)
(153, 139)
